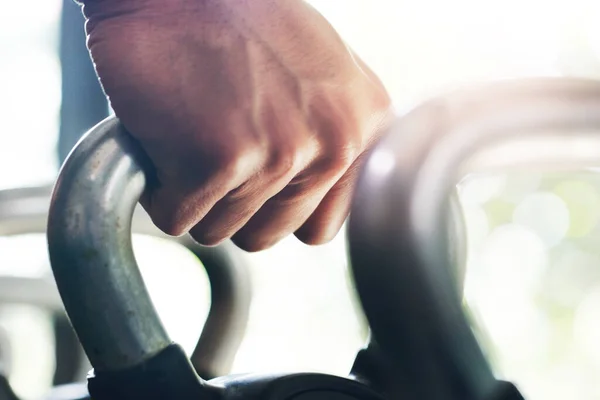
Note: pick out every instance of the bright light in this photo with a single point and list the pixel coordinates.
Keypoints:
(520, 185)
(583, 201)
(573, 273)
(546, 214)
(21, 19)
(508, 265)
(477, 189)
(586, 328)
(477, 227)
(420, 48)
(178, 286)
(381, 163)
(30, 83)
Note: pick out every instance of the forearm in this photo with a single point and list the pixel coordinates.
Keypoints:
(291, 28)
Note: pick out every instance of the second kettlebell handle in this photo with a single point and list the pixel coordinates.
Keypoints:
(398, 240)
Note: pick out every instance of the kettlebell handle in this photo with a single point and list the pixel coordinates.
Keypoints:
(89, 238)
(398, 240)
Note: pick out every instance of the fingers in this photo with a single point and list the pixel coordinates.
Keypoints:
(327, 219)
(278, 217)
(315, 204)
(175, 206)
(238, 206)
(290, 149)
(258, 203)
(288, 210)
(256, 192)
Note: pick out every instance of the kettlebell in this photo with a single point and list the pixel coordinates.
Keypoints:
(89, 241)
(397, 238)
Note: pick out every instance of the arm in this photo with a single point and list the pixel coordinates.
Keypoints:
(254, 112)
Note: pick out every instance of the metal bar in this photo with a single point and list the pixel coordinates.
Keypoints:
(89, 238)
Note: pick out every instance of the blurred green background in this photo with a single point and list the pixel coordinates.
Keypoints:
(533, 279)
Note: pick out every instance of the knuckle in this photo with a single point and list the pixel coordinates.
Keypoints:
(285, 162)
(295, 195)
(240, 193)
(340, 156)
(342, 148)
(346, 154)
(235, 161)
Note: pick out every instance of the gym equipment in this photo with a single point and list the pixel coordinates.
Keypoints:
(397, 235)
(89, 233)
(89, 239)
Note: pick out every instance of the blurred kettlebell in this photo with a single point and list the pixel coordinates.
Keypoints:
(398, 238)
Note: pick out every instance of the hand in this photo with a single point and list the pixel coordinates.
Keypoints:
(254, 112)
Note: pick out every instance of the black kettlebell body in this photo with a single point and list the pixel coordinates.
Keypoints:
(180, 381)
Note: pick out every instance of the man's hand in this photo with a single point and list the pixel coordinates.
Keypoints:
(254, 112)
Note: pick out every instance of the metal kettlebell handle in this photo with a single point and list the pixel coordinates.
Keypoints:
(89, 238)
(398, 240)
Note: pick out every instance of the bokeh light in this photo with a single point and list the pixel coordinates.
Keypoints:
(533, 282)
(476, 189)
(546, 214)
(586, 327)
(583, 203)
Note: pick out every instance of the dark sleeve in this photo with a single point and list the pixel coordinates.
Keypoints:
(83, 102)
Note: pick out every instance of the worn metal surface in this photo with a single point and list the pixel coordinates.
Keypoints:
(89, 238)
(397, 228)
